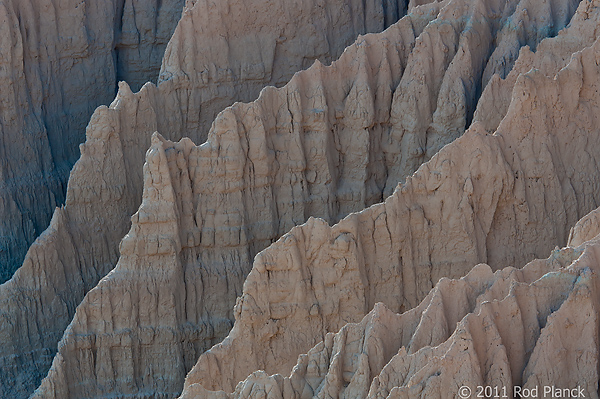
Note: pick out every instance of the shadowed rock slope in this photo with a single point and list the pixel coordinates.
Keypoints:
(328, 143)
(60, 59)
(503, 198)
(105, 187)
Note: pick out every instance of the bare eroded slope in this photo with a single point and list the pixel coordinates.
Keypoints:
(105, 188)
(333, 140)
(504, 198)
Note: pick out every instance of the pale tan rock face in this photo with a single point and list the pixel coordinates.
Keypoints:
(506, 329)
(105, 187)
(585, 229)
(552, 55)
(246, 187)
(324, 145)
(504, 199)
(58, 63)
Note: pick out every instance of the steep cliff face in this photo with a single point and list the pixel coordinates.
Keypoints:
(105, 187)
(326, 144)
(142, 33)
(503, 198)
(58, 64)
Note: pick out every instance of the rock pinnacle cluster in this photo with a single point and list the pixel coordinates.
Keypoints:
(283, 199)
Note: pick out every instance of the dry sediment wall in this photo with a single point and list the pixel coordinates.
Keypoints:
(531, 331)
(105, 188)
(502, 199)
(295, 152)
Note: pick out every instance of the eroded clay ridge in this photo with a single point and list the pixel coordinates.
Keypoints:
(503, 199)
(60, 60)
(105, 187)
(500, 329)
(528, 328)
(206, 212)
(325, 145)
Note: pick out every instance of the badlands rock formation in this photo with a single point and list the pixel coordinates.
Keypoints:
(59, 61)
(535, 327)
(326, 144)
(528, 328)
(105, 187)
(504, 198)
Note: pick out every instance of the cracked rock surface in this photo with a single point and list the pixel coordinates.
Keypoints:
(332, 141)
(478, 200)
(527, 328)
(352, 230)
(105, 186)
(514, 328)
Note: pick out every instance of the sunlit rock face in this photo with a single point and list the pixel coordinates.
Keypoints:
(367, 227)
(332, 141)
(501, 198)
(105, 42)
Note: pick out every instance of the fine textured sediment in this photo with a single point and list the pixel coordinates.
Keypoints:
(233, 196)
(105, 187)
(549, 57)
(512, 330)
(528, 328)
(335, 139)
(502, 199)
